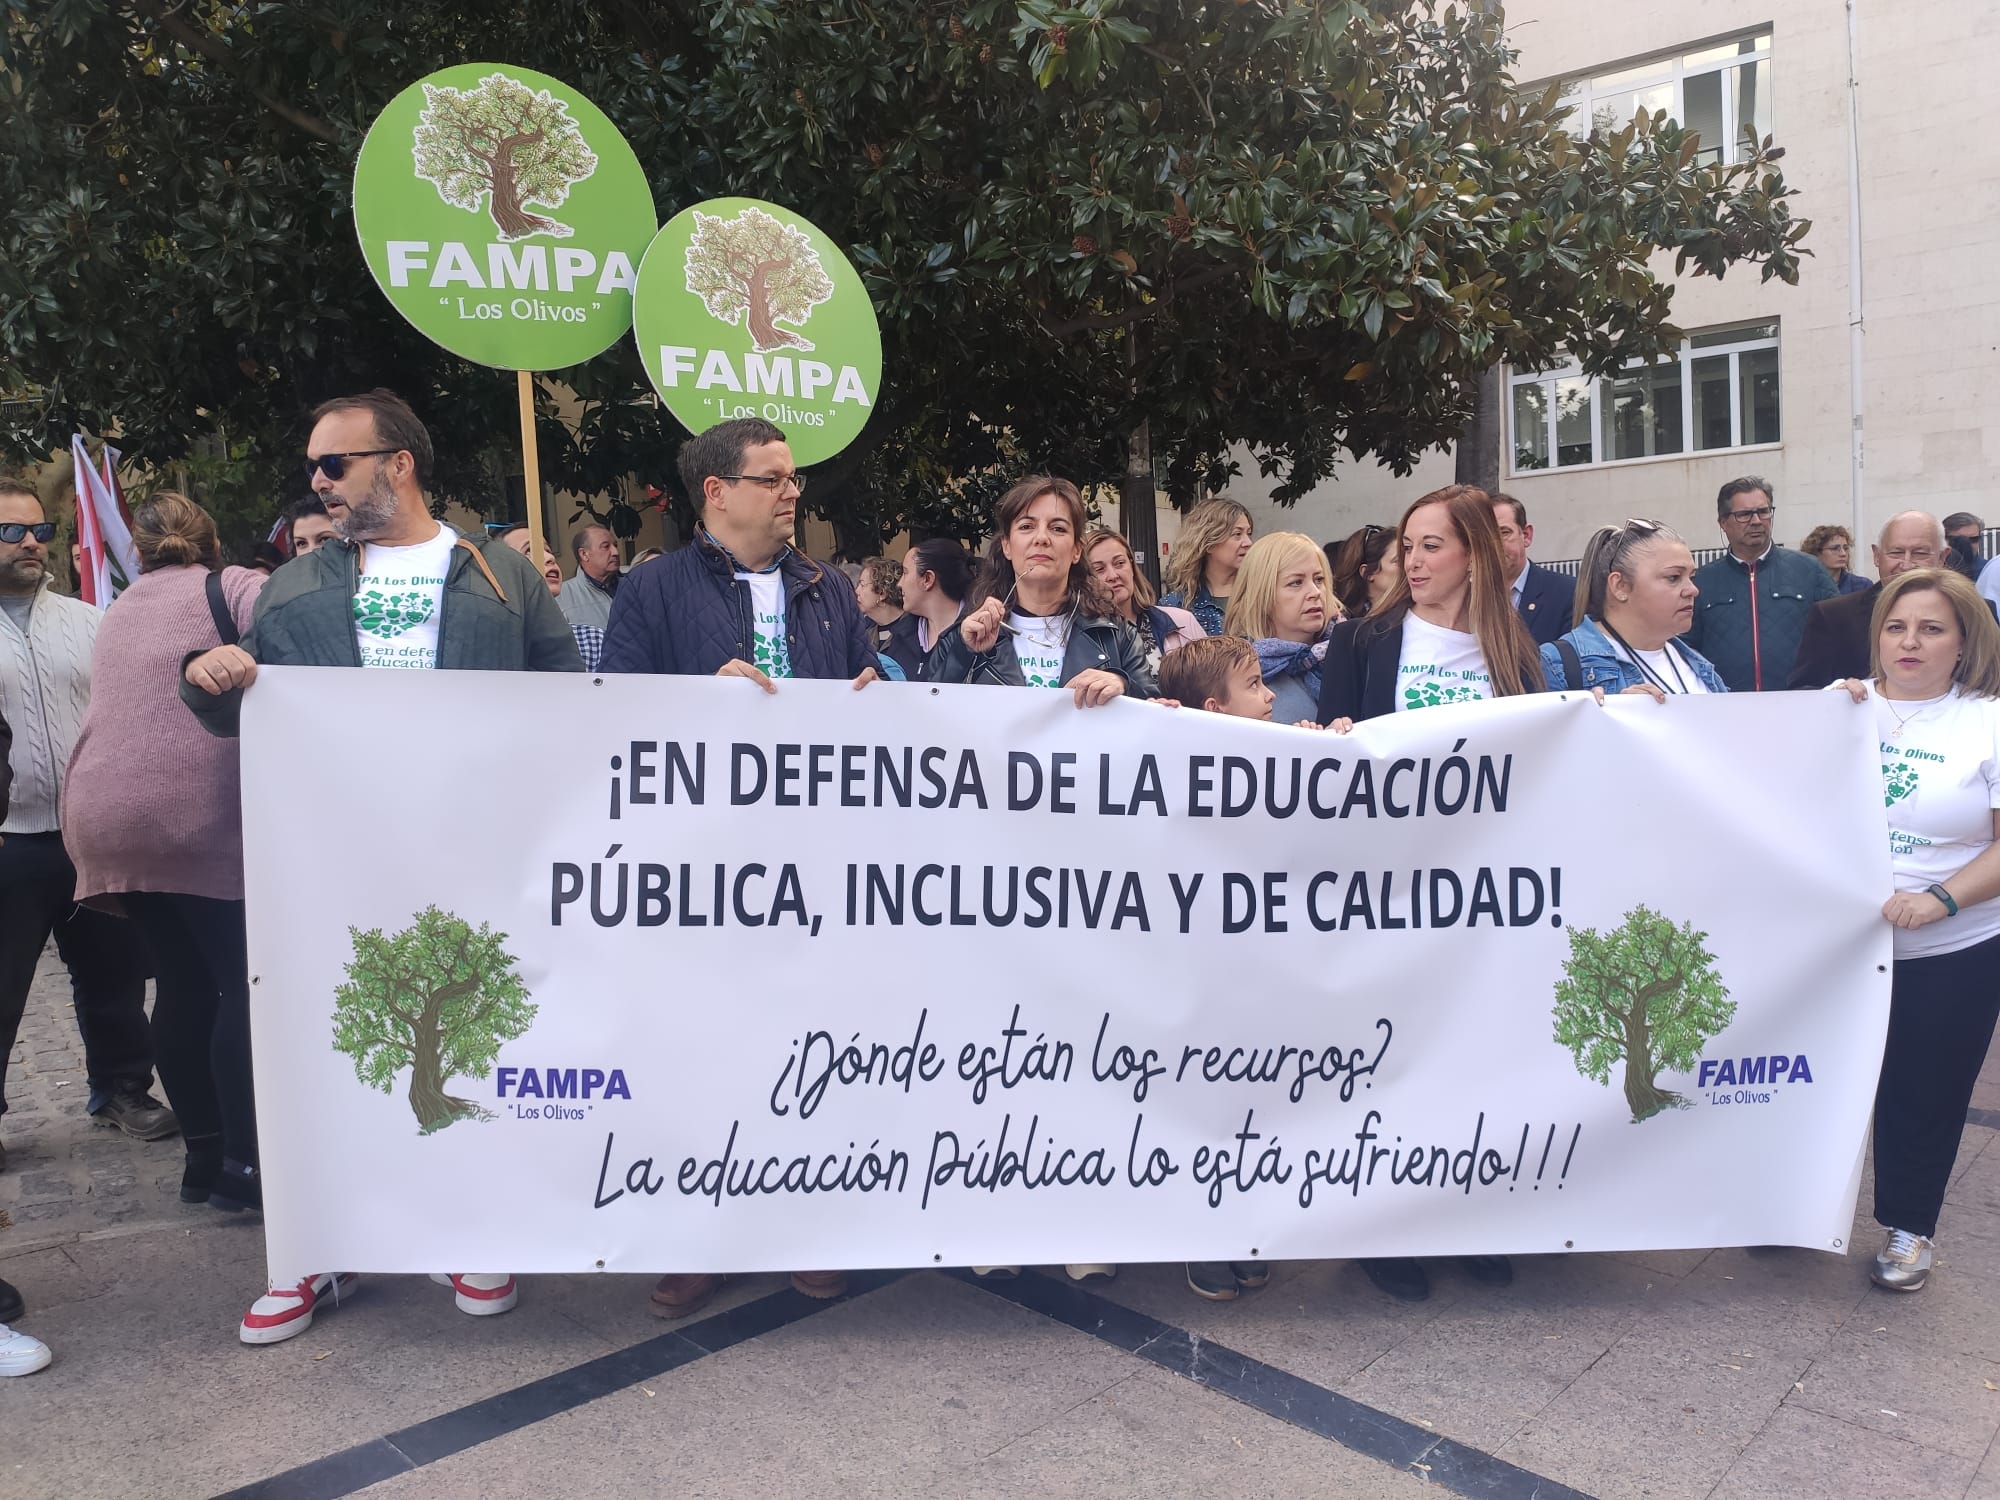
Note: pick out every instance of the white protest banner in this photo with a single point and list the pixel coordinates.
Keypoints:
(954, 975)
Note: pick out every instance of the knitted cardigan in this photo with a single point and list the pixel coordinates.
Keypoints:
(44, 690)
(153, 802)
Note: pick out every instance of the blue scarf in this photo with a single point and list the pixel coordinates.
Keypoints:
(1292, 659)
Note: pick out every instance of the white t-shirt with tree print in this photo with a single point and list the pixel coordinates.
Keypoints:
(1439, 666)
(1941, 781)
(398, 600)
(767, 615)
(1040, 643)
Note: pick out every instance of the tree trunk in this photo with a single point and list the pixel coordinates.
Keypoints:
(766, 334)
(432, 1106)
(1477, 456)
(1643, 1095)
(1137, 506)
(512, 220)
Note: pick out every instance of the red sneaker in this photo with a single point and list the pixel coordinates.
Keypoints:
(480, 1294)
(286, 1311)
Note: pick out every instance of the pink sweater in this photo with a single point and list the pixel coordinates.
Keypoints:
(151, 802)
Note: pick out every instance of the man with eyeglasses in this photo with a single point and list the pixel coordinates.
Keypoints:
(394, 589)
(1836, 643)
(1754, 598)
(739, 601)
(45, 650)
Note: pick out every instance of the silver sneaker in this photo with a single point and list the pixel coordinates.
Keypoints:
(1904, 1264)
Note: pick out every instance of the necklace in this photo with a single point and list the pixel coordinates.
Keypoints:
(1904, 721)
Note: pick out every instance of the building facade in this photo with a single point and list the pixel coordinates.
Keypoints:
(1873, 385)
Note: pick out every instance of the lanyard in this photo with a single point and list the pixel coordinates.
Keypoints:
(1673, 662)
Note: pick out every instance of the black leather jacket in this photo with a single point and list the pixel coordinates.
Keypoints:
(1094, 642)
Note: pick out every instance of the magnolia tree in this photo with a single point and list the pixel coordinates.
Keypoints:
(1093, 234)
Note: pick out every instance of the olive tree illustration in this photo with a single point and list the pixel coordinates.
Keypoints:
(438, 998)
(506, 143)
(756, 271)
(1646, 993)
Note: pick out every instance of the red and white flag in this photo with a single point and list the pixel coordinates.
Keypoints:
(103, 527)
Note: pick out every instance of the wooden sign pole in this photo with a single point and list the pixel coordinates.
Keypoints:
(531, 468)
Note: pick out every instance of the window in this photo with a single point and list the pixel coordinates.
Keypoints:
(1721, 391)
(1721, 92)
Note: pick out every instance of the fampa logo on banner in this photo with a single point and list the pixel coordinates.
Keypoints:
(504, 216)
(744, 309)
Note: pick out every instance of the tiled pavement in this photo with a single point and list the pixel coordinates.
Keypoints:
(1683, 1373)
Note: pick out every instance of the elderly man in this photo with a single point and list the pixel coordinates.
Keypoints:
(1835, 643)
(586, 598)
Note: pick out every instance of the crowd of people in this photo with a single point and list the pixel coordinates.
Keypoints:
(123, 835)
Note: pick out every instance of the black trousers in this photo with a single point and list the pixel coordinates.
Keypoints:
(1941, 1015)
(201, 1014)
(106, 962)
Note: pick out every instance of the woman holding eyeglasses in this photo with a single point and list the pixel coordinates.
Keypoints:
(1364, 569)
(1935, 699)
(1635, 593)
(1036, 616)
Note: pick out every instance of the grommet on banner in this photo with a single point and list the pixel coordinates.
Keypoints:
(1838, 1243)
(597, 682)
(1569, 1244)
(255, 977)
(600, 1265)
(937, 1257)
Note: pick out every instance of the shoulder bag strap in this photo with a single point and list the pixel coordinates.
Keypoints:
(1572, 664)
(218, 609)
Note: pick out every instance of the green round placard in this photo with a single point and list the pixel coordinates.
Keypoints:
(504, 215)
(744, 309)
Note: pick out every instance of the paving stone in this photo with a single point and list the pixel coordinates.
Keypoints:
(1941, 1401)
(1804, 1453)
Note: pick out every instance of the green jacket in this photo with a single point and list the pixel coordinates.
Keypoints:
(498, 616)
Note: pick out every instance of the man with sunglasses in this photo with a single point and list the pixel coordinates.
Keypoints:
(394, 589)
(45, 649)
(1755, 598)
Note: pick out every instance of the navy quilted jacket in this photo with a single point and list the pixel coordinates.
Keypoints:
(686, 615)
(1748, 621)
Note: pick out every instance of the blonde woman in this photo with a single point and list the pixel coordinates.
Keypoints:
(1214, 540)
(1935, 698)
(1283, 606)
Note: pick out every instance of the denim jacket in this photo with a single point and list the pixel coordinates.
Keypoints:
(1606, 667)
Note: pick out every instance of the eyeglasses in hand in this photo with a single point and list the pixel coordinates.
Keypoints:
(13, 531)
(334, 465)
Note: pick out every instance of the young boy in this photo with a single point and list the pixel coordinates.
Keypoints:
(1218, 673)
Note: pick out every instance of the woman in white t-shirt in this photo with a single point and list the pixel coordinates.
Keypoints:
(1635, 592)
(1036, 616)
(1448, 634)
(1936, 700)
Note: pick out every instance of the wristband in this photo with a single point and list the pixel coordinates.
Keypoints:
(1950, 906)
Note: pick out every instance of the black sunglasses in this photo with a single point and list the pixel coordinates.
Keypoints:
(333, 465)
(13, 531)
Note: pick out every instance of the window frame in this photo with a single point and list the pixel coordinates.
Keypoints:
(1686, 355)
(1673, 68)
